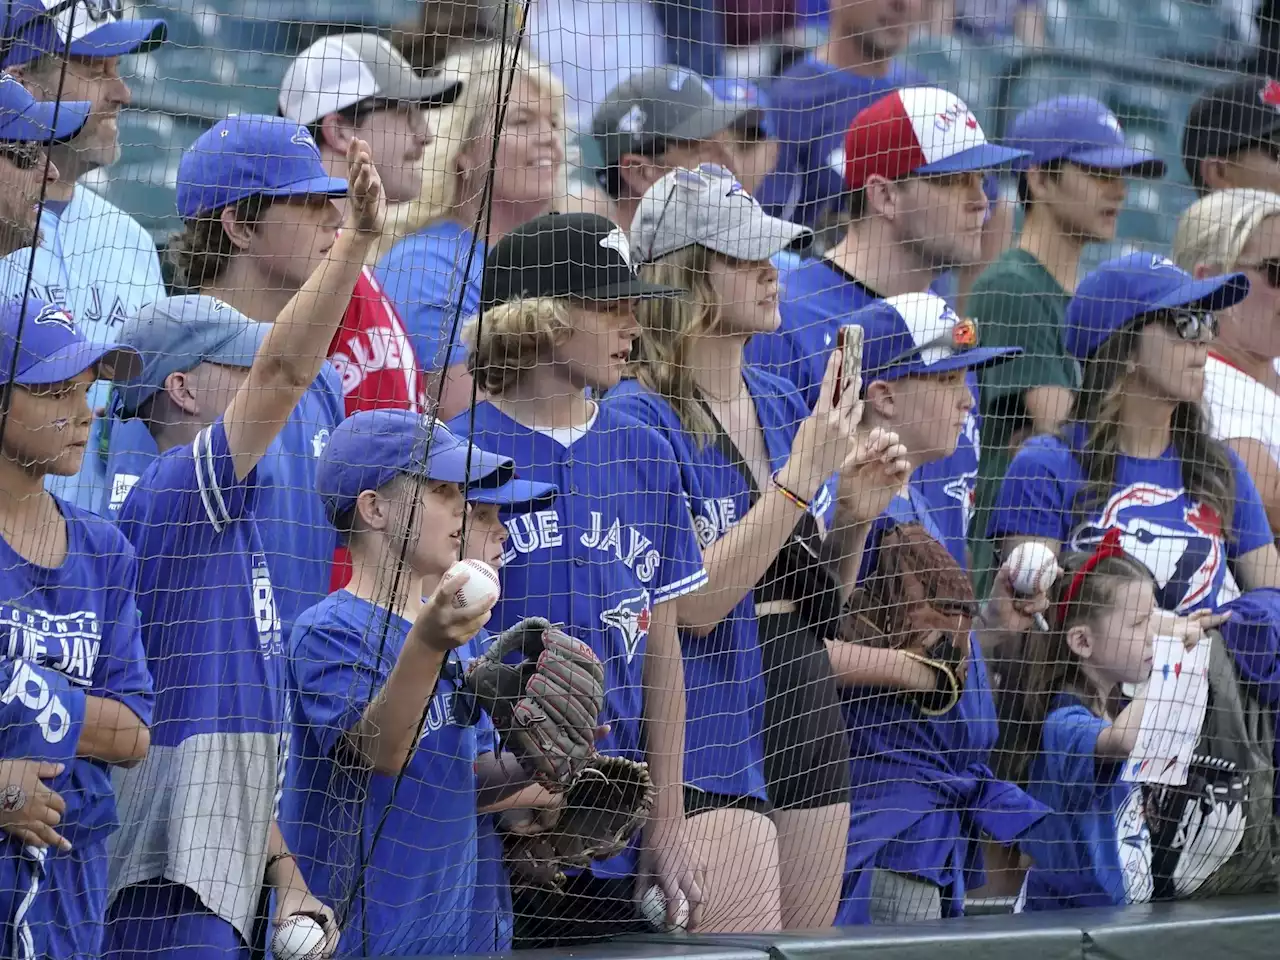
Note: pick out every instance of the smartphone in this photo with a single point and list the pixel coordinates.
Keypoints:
(849, 377)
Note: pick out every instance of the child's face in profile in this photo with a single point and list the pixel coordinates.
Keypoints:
(486, 534)
(1121, 648)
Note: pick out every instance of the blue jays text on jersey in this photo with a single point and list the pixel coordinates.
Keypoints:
(66, 642)
(623, 542)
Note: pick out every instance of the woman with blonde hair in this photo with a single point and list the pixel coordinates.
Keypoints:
(1240, 230)
(767, 758)
(432, 275)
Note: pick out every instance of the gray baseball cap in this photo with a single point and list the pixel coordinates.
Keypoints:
(176, 334)
(708, 207)
(661, 105)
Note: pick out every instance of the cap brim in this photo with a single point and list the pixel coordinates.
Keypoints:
(467, 464)
(45, 121)
(631, 290)
(311, 187)
(242, 348)
(987, 156)
(975, 359)
(709, 121)
(429, 90)
(523, 495)
(762, 240)
(121, 38)
(1130, 160)
(1214, 293)
(118, 362)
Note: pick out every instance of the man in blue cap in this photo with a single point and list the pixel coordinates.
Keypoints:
(199, 838)
(93, 259)
(77, 697)
(1071, 185)
(374, 664)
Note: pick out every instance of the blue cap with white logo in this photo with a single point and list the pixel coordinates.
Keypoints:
(251, 155)
(1082, 130)
(370, 448)
(40, 343)
(80, 28)
(916, 334)
(1126, 288)
(24, 119)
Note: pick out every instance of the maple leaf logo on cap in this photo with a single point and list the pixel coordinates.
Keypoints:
(1270, 93)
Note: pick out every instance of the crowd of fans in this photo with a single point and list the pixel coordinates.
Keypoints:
(390, 336)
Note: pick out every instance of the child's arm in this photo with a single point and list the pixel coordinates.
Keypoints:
(1119, 739)
(502, 784)
(857, 665)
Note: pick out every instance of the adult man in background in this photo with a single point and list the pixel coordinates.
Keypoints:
(1232, 137)
(357, 85)
(93, 260)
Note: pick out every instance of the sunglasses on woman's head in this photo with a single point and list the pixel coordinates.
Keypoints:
(1269, 269)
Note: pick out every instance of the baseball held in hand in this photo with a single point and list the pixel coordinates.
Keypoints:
(298, 938)
(481, 589)
(1032, 569)
(653, 907)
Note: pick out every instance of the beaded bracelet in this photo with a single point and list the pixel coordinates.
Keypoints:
(791, 495)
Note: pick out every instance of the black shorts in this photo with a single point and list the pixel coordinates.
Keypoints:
(590, 909)
(806, 746)
(700, 801)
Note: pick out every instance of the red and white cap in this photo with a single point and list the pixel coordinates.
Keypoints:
(918, 130)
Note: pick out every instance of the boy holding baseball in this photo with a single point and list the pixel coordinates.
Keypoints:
(381, 791)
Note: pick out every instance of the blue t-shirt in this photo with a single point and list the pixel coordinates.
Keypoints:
(1094, 850)
(811, 106)
(1185, 544)
(724, 749)
(75, 623)
(817, 299)
(618, 542)
(427, 275)
(415, 894)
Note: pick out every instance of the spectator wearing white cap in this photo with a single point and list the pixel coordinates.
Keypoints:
(433, 274)
(357, 85)
(93, 259)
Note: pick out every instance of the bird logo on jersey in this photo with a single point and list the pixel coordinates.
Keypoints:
(1180, 542)
(631, 618)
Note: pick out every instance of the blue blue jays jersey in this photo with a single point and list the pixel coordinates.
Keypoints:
(416, 893)
(811, 106)
(1185, 544)
(1094, 850)
(817, 299)
(722, 671)
(619, 541)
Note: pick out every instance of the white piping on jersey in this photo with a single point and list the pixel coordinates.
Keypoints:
(24, 946)
(215, 507)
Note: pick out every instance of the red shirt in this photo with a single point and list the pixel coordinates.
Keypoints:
(379, 371)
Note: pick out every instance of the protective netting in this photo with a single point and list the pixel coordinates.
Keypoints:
(855, 424)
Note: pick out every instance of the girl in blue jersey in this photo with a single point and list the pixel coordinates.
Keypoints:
(615, 551)
(766, 773)
(75, 695)
(923, 796)
(1136, 454)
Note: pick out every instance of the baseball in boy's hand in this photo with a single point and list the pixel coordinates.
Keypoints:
(1032, 569)
(298, 938)
(653, 907)
(481, 588)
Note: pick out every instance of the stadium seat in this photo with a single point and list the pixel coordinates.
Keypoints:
(1144, 30)
(968, 69)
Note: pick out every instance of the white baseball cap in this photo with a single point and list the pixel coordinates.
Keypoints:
(343, 69)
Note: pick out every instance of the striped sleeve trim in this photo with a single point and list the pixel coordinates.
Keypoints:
(680, 587)
(215, 505)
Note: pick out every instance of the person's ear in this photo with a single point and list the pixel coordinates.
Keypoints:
(179, 386)
(1080, 641)
(1040, 182)
(238, 232)
(640, 173)
(1215, 173)
(880, 399)
(336, 133)
(880, 196)
(372, 510)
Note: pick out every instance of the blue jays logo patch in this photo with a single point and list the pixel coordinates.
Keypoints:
(56, 316)
(1180, 542)
(631, 618)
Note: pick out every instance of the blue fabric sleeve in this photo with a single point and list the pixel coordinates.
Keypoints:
(223, 497)
(121, 672)
(681, 569)
(41, 713)
(1035, 497)
(1069, 745)
(1250, 528)
(333, 679)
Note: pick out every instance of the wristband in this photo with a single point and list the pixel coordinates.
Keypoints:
(272, 861)
(791, 495)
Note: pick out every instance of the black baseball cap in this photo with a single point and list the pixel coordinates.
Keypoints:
(580, 255)
(1234, 116)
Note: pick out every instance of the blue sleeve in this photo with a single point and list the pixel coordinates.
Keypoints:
(223, 497)
(1069, 748)
(333, 679)
(1035, 497)
(41, 713)
(121, 672)
(1253, 637)
(680, 569)
(418, 281)
(1250, 528)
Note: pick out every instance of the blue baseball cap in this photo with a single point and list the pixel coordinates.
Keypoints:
(1123, 289)
(24, 119)
(370, 448)
(40, 343)
(916, 334)
(1082, 130)
(95, 28)
(745, 96)
(251, 155)
(518, 496)
(176, 334)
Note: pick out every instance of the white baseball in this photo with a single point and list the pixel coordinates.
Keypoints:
(298, 938)
(653, 907)
(1032, 569)
(482, 587)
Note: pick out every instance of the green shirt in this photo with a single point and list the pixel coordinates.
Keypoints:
(1018, 303)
